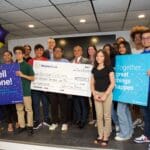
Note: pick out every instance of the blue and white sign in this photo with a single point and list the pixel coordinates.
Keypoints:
(132, 81)
(10, 84)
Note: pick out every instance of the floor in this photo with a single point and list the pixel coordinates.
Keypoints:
(82, 138)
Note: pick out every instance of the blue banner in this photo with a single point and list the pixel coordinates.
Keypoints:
(10, 84)
(132, 81)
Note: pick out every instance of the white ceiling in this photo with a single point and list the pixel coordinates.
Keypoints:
(55, 17)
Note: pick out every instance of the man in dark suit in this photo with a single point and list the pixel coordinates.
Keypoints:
(80, 103)
(49, 52)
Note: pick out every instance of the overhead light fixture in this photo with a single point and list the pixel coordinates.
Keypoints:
(141, 16)
(82, 20)
(62, 42)
(31, 26)
(94, 40)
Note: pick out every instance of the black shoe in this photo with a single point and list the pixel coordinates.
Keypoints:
(81, 125)
(30, 131)
(37, 125)
(20, 130)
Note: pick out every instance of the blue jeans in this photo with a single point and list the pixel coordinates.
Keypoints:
(38, 96)
(125, 121)
(80, 109)
(114, 115)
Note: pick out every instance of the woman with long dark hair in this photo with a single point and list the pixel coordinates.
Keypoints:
(102, 84)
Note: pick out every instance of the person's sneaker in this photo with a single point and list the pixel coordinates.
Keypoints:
(118, 138)
(137, 122)
(92, 122)
(47, 123)
(37, 125)
(20, 130)
(95, 125)
(53, 127)
(141, 139)
(64, 127)
(30, 131)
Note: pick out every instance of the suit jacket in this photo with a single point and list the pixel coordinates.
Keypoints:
(82, 60)
(47, 54)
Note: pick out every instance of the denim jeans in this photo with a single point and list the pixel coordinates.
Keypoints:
(114, 115)
(80, 109)
(38, 96)
(125, 121)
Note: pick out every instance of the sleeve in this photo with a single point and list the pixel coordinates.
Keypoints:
(110, 69)
(30, 71)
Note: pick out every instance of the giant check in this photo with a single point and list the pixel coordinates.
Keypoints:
(60, 77)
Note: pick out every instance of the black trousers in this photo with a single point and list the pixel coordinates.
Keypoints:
(93, 108)
(11, 113)
(59, 107)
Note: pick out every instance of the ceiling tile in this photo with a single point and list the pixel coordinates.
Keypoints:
(111, 25)
(87, 27)
(22, 32)
(76, 9)
(133, 15)
(66, 1)
(35, 23)
(55, 22)
(44, 13)
(63, 28)
(130, 23)
(11, 27)
(111, 17)
(24, 4)
(5, 7)
(104, 6)
(68, 32)
(111, 29)
(76, 19)
(140, 5)
(16, 16)
(42, 30)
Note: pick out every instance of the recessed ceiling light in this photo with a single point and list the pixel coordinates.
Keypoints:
(141, 16)
(31, 26)
(82, 20)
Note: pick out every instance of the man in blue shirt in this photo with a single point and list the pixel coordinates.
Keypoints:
(145, 138)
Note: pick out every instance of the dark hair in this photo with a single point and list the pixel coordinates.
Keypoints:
(127, 46)
(7, 51)
(58, 47)
(146, 31)
(94, 47)
(120, 38)
(21, 48)
(106, 58)
(133, 34)
(112, 50)
(27, 46)
(37, 46)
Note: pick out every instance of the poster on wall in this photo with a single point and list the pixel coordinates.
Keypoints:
(59, 77)
(10, 84)
(132, 81)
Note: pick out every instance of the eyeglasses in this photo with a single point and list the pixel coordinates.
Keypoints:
(146, 38)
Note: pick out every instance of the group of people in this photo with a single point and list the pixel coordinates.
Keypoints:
(55, 106)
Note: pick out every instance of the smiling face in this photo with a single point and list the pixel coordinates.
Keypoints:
(51, 43)
(100, 58)
(146, 40)
(39, 52)
(122, 49)
(58, 53)
(91, 51)
(77, 51)
(27, 50)
(7, 57)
